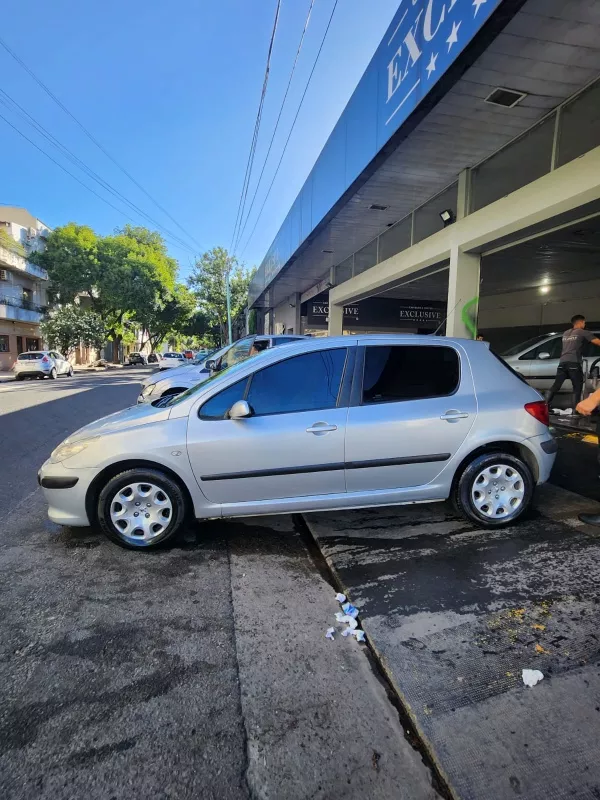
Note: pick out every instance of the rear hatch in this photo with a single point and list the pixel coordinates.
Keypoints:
(31, 362)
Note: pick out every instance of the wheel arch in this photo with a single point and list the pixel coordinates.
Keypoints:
(517, 449)
(95, 487)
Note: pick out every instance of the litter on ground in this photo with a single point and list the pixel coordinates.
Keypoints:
(341, 598)
(330, 633)
(532, 676)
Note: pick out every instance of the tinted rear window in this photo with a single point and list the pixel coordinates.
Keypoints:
(406, 372)
(30, 356)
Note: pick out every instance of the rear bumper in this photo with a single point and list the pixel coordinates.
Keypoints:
(65, 491)
(544, 448)
(31, 373)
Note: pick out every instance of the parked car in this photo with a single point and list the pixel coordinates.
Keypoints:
(41, 364)
(170, 360)
(537, 360)
(153, 358)
(324, 423)
(156, 386)
(136, 358)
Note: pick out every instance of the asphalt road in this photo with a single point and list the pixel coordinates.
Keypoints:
(198, 671)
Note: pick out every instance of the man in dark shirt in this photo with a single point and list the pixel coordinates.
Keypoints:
(569, 366)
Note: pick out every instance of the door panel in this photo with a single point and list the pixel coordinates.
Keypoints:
(407, 443)
(540, 373)
(291, 446)
(270, 457)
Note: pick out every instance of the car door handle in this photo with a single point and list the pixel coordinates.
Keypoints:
(321, 427)
(454, 416)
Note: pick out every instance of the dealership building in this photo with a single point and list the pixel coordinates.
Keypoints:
(459, 191)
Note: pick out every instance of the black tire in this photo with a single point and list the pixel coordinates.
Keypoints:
(52, 374)
(156, 478)
(18, 377)
(463, 498)
(70, 372)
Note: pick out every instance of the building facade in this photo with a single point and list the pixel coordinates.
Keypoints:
(22, 284)
(465, 170)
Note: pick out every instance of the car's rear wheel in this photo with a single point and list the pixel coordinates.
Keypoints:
(141, 508)
(494, 490)
(70, 372)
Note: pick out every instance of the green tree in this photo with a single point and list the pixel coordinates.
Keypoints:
(209, 282)
(66, 327)
(171, 314)
(121, 276)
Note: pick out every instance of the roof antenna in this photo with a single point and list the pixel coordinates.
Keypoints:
(443, 322)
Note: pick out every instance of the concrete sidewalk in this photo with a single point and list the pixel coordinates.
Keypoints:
(455, 613)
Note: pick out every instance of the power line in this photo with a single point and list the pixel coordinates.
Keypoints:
(76, 161)
(292, 128)
(64, 169)
(61, 105)
(312, 2)
(250, 162)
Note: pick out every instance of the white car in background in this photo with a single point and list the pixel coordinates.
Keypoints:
(157, 385)
(41, 364)
(170, 360)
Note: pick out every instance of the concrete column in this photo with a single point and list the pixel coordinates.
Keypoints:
(297, 312)
(464, 194)
(463, 294)
(335, 323)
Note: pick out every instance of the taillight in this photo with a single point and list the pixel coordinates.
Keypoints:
(539, 410)
(45, 360)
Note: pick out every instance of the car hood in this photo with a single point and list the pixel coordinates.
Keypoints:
(187, 370)
(136, 416)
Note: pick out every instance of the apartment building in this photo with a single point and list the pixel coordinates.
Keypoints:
(22, 284)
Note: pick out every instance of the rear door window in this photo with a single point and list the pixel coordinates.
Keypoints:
(406, 372)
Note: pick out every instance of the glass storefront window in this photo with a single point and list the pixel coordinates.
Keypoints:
(579, 126)
(519, 163)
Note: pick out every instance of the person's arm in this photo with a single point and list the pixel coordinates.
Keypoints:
(590, 404)
(595, 341)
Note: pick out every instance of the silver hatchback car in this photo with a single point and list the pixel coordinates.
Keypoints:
(322, 424)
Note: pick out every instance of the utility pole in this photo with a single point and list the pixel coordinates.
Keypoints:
(228, 295)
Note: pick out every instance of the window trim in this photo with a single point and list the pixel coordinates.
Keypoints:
(342, 395)
(358, 386)
(7, 337)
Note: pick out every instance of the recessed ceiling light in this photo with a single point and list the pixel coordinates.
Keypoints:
(376, 207)
(507, 98)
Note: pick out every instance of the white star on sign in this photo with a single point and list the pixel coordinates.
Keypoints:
(431, 66)
(478, 3)
(453, 38)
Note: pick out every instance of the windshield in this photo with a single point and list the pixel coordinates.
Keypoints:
(513, 351)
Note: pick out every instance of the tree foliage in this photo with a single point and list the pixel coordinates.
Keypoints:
(121, 276)
(209, 282)
(66, 327)
(170, 315)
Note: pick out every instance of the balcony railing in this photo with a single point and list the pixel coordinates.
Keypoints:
(16, 261)
(21, 302)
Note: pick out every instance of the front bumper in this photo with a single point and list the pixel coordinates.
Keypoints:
(65, 491)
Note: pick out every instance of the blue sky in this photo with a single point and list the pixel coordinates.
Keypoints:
(171, 91)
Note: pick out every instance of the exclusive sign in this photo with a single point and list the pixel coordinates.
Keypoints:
(379, 312)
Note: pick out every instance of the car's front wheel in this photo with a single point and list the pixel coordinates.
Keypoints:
(494, 490)
(141, 508)
(52, 374)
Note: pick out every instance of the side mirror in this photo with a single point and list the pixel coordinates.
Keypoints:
(543, 356)
(211, 364)
(240, 410)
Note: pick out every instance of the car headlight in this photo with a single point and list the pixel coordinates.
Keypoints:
(147, 390)
(66, 451)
